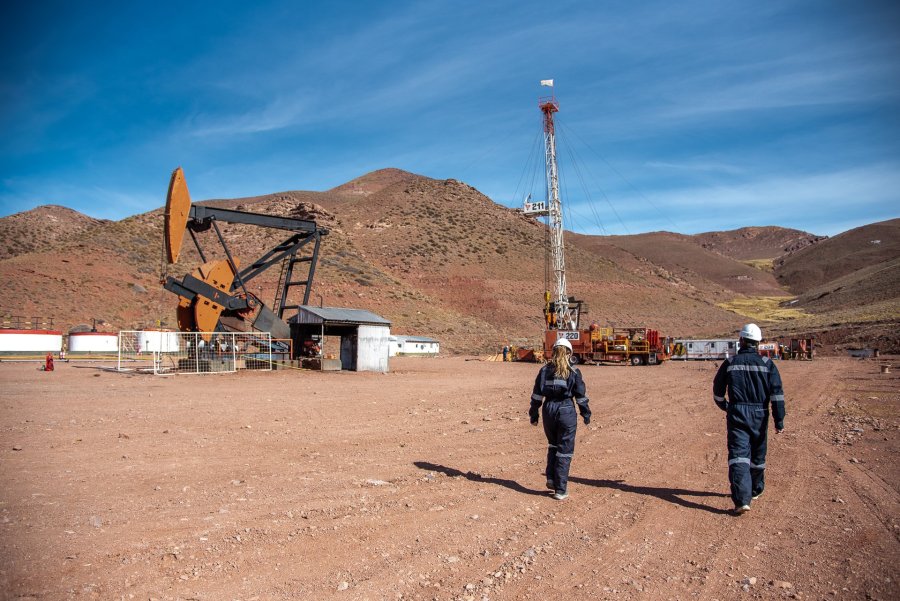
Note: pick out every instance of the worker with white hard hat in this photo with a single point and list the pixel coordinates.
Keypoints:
(752, 384)
(557, 385)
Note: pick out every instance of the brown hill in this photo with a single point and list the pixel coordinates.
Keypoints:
(681, 259)
(108, 273)
(374, 182)
(436, 257)
(747, 243)
(859, 248)
(487, 262)
(850, 284)
(865, 288)
(41, 228)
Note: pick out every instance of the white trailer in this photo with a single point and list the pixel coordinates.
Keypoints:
(720, 348)
(414, 345)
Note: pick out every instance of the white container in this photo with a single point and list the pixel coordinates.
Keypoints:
(30, 341)
(93, 342)
(157, 341)
(719, 348)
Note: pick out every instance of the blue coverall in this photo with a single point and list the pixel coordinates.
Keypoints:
(752, 383)
(560, 421)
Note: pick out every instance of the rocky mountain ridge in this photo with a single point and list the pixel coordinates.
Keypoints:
(437, 258)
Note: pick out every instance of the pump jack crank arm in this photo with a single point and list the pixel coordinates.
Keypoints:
(190, 288)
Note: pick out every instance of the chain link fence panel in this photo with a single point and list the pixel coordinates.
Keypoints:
(164, 353)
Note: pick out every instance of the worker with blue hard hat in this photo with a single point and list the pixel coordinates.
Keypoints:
(557, 385)
(752, 384)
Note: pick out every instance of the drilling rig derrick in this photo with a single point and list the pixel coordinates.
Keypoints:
(561, 312)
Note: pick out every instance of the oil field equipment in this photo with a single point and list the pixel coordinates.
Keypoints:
(798, 348)
(634, 346)
(772, 350)
(563, 313)
(215, 296)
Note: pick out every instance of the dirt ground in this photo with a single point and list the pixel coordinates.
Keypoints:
(426, 483)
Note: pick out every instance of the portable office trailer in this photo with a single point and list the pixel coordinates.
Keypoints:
(705, 349)
(414, 345)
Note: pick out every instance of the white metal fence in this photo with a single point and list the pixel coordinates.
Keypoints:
(194, 352)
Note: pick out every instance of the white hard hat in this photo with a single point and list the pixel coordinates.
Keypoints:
(751, 331)
(563, 342)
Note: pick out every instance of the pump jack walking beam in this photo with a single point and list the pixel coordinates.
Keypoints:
(201, 218)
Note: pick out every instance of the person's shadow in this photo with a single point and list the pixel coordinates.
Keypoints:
(475, 477)
(672, 495)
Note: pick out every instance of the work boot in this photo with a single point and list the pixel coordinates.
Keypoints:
(550, 484)
(560, 495)
(741, 510)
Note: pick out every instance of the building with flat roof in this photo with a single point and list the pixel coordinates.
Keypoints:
(414, 345)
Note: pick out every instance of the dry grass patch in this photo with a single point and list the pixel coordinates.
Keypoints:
(763, 308)
(767, 265)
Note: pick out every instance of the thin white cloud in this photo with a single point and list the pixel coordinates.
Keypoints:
(827, 201)
(270, 116)
(364, 74)
(786, 90)
(697, 165)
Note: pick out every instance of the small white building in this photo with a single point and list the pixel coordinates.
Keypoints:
(363, 335)
(414, 345)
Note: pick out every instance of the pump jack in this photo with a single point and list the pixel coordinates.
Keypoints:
(215, 297)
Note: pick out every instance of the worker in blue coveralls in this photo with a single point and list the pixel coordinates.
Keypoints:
(556, 386)
(752, 383)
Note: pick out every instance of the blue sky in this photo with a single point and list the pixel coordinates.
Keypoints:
(683, 116)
